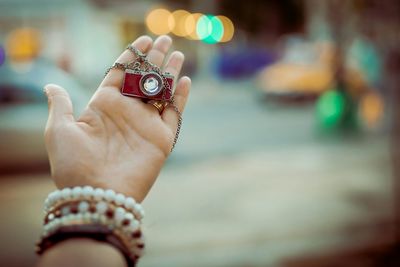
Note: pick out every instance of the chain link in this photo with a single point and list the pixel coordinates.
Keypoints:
(141, 63)
(116, 65)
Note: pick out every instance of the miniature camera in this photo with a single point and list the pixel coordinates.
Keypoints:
(147, 85)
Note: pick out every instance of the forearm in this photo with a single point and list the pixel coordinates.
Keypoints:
(82, 252)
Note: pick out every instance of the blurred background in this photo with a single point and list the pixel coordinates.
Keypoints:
(289, 151)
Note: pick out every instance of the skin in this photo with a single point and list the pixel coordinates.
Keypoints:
(118, 143)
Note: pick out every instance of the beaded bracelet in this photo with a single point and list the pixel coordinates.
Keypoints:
(90, 193)
(130, 237)
(87, 209)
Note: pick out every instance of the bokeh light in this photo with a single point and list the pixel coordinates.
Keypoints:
(2, 55)
(229, 29)
(160, 21)
(330, 108)
(23, 44)
(217, 29)
(179, 17)
(371, 109)
(203, 27)
(210, 29)
(191, 25)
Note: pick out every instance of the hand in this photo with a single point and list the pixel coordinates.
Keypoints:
(118, 142)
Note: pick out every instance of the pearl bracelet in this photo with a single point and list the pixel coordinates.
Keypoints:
(79, 211)
(90, 193)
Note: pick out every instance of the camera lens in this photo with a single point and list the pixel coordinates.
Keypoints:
(151, 84)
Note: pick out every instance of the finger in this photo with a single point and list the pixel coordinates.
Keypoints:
(159, 50)
(174, 64)
(116, 76)
(60, 105)
(170, 116)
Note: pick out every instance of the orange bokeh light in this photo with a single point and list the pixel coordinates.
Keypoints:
(229, 29)
(180, 18)
(191, 24)
(23, 44)
(160, 21)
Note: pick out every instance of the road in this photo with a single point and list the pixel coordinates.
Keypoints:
(250, 184)
(222, 119)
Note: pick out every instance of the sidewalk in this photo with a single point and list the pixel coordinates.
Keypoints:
(258, 209)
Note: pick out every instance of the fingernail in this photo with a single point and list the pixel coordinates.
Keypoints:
(179, 54)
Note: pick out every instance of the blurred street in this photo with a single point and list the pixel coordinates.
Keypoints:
(237, 119)
(250, 184)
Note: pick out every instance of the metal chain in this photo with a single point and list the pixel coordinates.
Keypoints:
(116, 65)
(140, 62)
(178, 127)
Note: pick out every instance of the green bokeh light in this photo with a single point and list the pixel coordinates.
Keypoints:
(203, 27)
(330, 109)
(217, 29)
(210, 29)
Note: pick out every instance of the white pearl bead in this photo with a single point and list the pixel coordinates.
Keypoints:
(98, 194)
(57, 195)
(96, 217)
(139, 210)
(109, 195)
(86, 217)
(51, 217)
(87, 191)
(63, 221)
(46, 227)
(83, 206)
(66, 193)
(119, 215)
(56, 222)
(137, 251)
(119, 199)
(133, 226)
(129, 216)
(103, 219)
(129, 203)
(46, 205)
(101, 207)
(142, 214)
(65, 211)
(50, 226)
(51, 198)
(77, 192)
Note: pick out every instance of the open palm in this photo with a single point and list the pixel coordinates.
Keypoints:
(118, 142)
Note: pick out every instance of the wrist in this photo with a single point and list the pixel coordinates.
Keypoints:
(95, 213)
(82, 252)
(135, 185)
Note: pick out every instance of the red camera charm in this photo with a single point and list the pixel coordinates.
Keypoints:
(147, 85)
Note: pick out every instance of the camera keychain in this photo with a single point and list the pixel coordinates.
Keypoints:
(145, 80)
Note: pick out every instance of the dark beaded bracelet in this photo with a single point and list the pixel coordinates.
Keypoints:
(96, 232)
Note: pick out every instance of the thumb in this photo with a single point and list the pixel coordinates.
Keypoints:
(60, 106)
